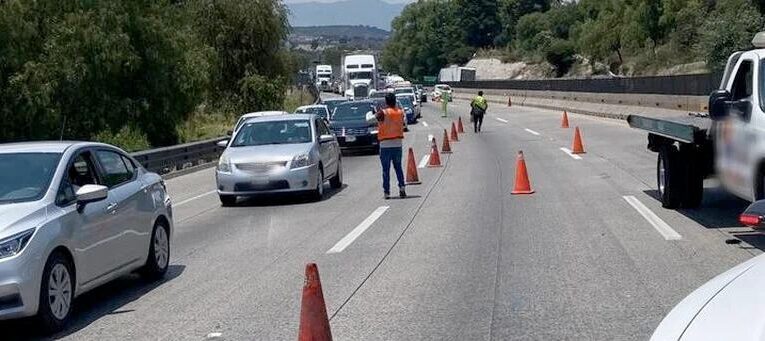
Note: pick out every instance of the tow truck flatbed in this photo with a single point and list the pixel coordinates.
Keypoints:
(687, 129)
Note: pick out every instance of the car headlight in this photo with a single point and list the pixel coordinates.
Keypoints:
(224, 164)
(299, 161)
(13, 245)
(372, 130)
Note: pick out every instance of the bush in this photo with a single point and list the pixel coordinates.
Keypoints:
(560, 54)
(128, 138)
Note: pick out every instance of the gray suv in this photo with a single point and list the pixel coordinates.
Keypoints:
(73, 216)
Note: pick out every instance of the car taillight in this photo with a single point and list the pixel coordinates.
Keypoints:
(750, 220)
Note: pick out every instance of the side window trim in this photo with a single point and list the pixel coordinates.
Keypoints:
(102, 172)
(70, 163)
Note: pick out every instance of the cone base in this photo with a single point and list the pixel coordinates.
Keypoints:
(414, 182)
(522, 192)
(434, 166)
(578, 152)
(446, 152)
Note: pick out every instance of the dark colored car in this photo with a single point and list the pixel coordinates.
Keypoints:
(355, 125)
(332, 103)
(406, 103)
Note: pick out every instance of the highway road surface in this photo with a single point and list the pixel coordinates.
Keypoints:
(590, 256)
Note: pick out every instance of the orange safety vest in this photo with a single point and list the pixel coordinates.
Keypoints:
(392, 127)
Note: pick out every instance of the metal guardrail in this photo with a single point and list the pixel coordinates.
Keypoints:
(685, 85)
(174, 158)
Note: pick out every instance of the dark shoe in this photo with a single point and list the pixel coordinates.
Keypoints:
(386, 196)
(402, 193)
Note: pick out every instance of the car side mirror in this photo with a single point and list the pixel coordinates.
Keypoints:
(326, 138)
(718, 104)
(222, 143)
(754, 215)
(91, 193)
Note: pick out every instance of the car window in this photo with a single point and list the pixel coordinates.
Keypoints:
(742, 84)
(259, 133)
(115, 172)
(26, 176)
(81, 172)
(323, 129)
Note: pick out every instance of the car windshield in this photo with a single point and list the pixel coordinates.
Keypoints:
(26, 176)
(347, 112)
(332, 104)
(273, 132)
(321, 111)
(360, 75)
(404, 91)
(405, 101)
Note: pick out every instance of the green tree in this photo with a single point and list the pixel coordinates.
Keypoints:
(728, 28)
(479, 21)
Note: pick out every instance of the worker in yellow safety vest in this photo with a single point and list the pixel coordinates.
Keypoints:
(478, 108)
(390, 133)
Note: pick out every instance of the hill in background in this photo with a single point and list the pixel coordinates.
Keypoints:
(340, 31)
(375, 13)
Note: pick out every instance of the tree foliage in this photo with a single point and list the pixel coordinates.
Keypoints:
(80, 69)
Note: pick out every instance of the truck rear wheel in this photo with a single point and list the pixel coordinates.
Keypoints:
(694, 179)
(669, 177)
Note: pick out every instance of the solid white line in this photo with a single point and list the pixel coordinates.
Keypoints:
(532, 132)
(424, 161)
(501, 119)
(350, 237)
(663, 228)
(194, 198)
(430, 139)
(424, 124)
(568, 151)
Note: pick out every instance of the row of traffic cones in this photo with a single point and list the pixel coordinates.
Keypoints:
(577, 146)
(314, 321)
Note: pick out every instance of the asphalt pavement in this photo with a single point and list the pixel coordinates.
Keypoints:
(591, 255)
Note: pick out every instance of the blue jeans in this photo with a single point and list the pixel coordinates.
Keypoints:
(388, 155)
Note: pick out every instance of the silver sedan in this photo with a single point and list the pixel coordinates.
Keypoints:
(73, 216)
(276, 154)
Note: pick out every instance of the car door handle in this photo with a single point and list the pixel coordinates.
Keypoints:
(111, 208)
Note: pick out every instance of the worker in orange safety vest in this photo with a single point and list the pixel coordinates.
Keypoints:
(390, 133)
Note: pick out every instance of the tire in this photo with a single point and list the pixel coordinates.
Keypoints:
(159, 254)
(54, 316)
(318, 193)
(694, 179)
(227, 200)
(337, 181)
(669, 178)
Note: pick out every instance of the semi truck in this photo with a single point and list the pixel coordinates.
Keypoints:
(324, 77)
(359, 75)
(456, 74)
(728, 143)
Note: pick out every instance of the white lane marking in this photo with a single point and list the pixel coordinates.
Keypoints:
(663, 228)
(568, 151)
(532, 132)
(214, 335)
(424, 124)
(351, 236)
(430, 139)
(424, 161)
(501, 119)
(183, 202)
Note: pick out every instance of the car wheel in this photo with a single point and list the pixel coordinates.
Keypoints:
(668, 177)
(227, 200)
(337, 180)
(318, 193)
(56, 293)
(159, 253)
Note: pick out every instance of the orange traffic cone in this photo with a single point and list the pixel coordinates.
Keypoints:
(314, 323)
(522, 183)
(578, 147)
(460, 128)
(455, 137)
(446, 148)
(564, 121)
(509, 101)
(411, 170)
(435, 159)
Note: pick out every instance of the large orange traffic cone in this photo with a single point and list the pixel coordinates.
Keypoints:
(446, 147)
(577, 147)
(564, 121)
(460, 128)
(435, 159)
(411, 170)
(455, 137)
(314, 323)
(522, 183)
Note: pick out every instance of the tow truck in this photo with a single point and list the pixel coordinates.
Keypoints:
(728, 142)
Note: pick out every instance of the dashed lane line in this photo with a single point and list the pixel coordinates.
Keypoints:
(356, 232)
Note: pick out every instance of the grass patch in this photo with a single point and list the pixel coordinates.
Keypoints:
(296, 97)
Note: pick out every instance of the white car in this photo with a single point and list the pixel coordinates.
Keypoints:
(731, 306)
(247, 116)
(317, 109)
(439, 90)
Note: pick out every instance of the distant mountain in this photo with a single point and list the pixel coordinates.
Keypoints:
(341, 31)
(375, 13)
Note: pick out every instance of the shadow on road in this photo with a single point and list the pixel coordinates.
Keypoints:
(286, 199)
(720, 210)
(105, 300)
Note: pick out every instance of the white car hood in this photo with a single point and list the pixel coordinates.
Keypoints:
(731, 306)
(18, 217)
(267, 153)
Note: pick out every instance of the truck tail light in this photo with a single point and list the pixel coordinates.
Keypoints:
(750, 220)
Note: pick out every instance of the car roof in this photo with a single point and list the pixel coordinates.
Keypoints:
(264, 113)
(45, 146)
(285, 117)
(311, 106)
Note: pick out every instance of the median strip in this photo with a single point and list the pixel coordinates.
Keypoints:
(663, 228)
(356, 232)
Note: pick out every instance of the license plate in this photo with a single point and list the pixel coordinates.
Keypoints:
(350, 138)
(261, 180)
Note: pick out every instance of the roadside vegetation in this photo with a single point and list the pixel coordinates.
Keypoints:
(137, 73)
(626, 37)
